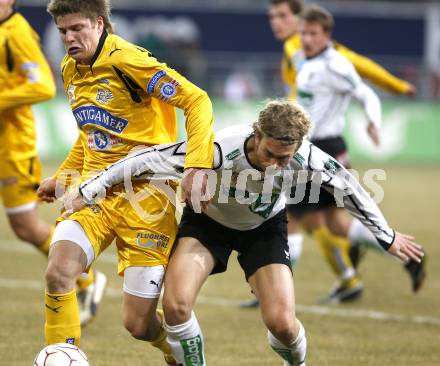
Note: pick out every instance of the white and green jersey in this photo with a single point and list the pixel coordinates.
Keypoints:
(244, 196)
(325, 84)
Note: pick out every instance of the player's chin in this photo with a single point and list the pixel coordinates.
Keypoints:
(75, 53)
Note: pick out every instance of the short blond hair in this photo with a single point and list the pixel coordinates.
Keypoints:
(283, 120)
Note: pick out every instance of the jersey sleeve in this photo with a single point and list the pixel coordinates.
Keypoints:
(373, 72)
(348, 193)
(73, 162)
(38, 84)
(156, 163)
(166, 84)
(343, 78)
(160, 162)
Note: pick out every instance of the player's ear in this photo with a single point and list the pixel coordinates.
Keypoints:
(100, 23)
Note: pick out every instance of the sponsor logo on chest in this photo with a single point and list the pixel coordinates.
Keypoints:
(100, 140)
(100, 117)
(104, 96)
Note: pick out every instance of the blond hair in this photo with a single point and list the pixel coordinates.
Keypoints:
(89, 8)
(283, 120)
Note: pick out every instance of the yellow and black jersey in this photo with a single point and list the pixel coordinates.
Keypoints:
(126, 98)
(366, 68)
(25, 79)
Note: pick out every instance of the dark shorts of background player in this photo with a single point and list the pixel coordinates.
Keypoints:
(264, 245)
(336, 148)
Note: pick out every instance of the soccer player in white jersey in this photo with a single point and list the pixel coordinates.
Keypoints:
(326, 81)
(254, 166)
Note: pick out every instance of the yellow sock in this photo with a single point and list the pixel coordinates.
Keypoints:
(85, 280)
(44, 248)
(62, 318)
(161, 341)
(336, 252)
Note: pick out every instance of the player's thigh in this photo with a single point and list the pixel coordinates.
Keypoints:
(273, 286)
(142, 286)
(24, 222)
(19, 182)
(190, 265)
(91, 229)
(294, 223)
(338, 221)
(313, 220)
(146, 229)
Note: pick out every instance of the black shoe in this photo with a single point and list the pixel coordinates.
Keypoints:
(417, 272)
(356, 254)
(343, 293)
(248, 304)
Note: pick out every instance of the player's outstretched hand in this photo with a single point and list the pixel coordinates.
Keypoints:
(404, 247)
(373, 132)
(195, 189)
(73, 201)
(412, 90)
(46, 191)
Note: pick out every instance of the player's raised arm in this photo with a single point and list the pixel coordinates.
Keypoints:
(343, 77)
(168, 86)
(349, 193)
(375, 73)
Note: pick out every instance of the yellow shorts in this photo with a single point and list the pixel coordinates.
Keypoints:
(144, 230)
(19, 181)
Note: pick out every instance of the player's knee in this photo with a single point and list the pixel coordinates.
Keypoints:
(138, 328)
(23, 231)
(177, 310)
(58, 278)
(282, 326)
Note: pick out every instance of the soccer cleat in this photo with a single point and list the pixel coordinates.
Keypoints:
(249, 304)
(89, 299)
(417, 272)
(170, 360)
(288, 364)
(344, 292)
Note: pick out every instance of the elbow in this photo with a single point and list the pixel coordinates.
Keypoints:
(44, 92)
(49, 91)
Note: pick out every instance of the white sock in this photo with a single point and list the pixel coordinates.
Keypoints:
(360, 234)
(186, 341)
(295, 353)
(295, 242)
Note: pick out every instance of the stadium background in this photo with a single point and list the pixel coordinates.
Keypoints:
(227, 48)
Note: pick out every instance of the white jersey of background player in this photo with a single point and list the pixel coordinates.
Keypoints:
(326, 83)
(252, 169)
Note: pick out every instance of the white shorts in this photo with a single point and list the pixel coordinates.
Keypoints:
(71, 230)
(145, 282)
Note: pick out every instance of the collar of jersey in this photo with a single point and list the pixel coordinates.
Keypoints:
(97, 52)
(9, 17)
(319, 54)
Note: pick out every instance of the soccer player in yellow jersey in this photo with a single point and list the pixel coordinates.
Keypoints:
(122, 97)
(26, 79)
(284, 20)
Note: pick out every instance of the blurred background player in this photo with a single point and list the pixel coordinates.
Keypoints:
(121, 97)
(26, 79)
(341, 255)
